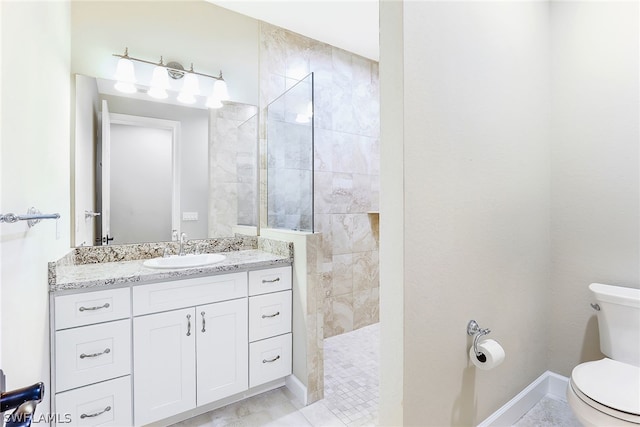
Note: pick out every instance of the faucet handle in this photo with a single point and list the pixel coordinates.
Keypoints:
(165, 253)
(183, 237)
(174, 235)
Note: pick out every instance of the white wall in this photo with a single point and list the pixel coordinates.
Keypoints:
(476, 206)
(35, 172)
(595, 186)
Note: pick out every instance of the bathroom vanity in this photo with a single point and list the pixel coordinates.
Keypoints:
(136, 346)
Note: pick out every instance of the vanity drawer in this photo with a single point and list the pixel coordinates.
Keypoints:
(269, 280)
(269, 315)
(104, 404)
(92, 307)
(92, 353)
(188, 293)
(269, 359)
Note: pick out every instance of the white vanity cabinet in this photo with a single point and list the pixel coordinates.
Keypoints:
(270, 340)
(187, 358)
(92, 357)
(147, 352)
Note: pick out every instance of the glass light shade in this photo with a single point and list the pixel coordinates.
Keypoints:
(125, 72)
(213, 102)
(159, 83)
(220, 90)
(190, 88)
(191, 84)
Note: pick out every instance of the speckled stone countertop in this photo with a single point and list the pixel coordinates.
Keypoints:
(110, 266)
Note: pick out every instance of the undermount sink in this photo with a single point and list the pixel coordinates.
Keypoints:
(184, 261)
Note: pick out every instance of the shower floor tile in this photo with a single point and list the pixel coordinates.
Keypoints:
(351, 371)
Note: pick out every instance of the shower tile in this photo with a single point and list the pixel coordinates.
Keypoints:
(342, 275)
(341, 192)
(361, 234)
(365, 271)
(365, 308)
(343, 144)
(338, 315)
(360, 201)
(323, 150)
(323, 185)
(342, 231)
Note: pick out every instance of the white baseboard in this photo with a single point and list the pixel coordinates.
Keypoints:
(549, 383)
(296, 387)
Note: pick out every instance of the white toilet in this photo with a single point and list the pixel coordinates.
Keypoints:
(607, 392)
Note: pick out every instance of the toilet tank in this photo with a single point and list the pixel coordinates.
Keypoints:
(619, 322)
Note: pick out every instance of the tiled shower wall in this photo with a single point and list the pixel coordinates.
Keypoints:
(346, 157)
(232, 168)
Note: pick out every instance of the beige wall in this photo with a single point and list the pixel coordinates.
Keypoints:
(476, 205)
(595, 183)
(521, 175)
(35, 132)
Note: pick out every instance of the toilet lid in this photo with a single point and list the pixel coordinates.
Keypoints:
(610, 383)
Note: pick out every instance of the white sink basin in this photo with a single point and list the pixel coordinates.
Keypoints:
(185, 261)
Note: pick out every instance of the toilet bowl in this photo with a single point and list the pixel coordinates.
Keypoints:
(607, 392)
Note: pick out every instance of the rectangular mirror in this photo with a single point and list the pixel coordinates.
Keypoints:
(143, 168)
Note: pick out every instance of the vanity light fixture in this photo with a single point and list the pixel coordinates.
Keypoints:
(125, 76)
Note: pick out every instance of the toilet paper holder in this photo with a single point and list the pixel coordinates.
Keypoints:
(473, 329)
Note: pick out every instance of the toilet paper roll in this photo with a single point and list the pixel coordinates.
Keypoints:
(492, 354)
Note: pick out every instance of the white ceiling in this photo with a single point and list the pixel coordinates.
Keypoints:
(350, 24)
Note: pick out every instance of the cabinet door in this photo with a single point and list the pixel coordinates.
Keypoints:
(164, 364)
(222, 350)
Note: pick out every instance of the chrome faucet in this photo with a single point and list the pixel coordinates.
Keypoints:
(183, 240)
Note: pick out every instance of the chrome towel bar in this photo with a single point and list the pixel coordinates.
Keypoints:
(32, 217)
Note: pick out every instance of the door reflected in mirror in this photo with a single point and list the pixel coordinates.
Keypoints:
(152, 167)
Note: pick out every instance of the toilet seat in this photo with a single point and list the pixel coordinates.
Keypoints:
(610, 387)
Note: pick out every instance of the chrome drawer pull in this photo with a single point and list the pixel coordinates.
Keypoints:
(272, 360)
(106, 305)
(277, 279)
(107, 409)
(203, 322)
(106, 351)
(277, 313)
(188, 325)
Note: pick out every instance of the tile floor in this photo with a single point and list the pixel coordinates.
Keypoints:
(351, 395)
(549, 412)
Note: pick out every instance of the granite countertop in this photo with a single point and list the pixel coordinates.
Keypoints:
(65, 276)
